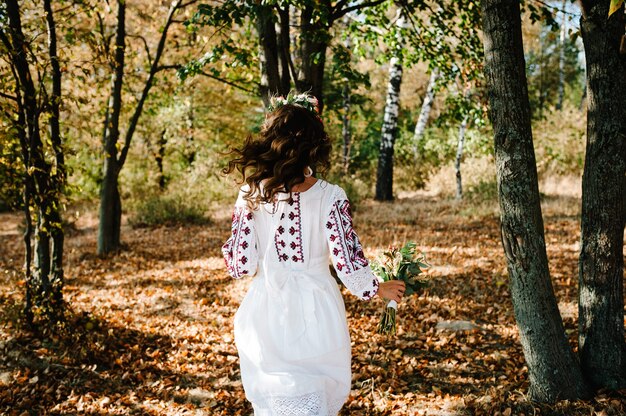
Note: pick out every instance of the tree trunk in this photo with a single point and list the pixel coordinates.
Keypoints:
(110, 223)
(459, 156)
(295, 15)
(110, 202)
(427, 105)
(561, 90)
(601, 262)
(159, 155)
(384, 173)
(346, 130)
(552, 367)
(190, 146)
(43, 182)
(53, 212)
(284, 47)
(268, 54)
(314, 40)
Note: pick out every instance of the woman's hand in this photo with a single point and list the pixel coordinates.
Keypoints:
(391, 290)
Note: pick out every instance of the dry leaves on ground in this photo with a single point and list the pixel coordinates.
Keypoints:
(150, 330)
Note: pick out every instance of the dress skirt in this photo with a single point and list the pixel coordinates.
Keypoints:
(294, 347)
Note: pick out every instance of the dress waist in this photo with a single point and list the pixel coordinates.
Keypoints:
(316, 268)
(294, 287)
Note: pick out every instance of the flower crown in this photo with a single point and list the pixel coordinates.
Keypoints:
(303, 100)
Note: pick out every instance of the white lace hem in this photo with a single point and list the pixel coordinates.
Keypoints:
(312, 404)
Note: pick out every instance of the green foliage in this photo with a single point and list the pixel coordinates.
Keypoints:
(413, 164)
(540, 12)
(543, 71)
(365, 141)
(405, 264)
(11, 170)
(85, 174)
(343, 71)
(484, 191)
(232, 52)
(167, 209)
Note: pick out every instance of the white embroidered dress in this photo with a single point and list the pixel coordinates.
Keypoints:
(291, 330)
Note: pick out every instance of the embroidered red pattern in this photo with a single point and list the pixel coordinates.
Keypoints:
(237, 246)
(288, 236)
(347, 250)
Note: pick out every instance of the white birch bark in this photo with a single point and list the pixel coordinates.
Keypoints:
(427, 105)
(384, 176)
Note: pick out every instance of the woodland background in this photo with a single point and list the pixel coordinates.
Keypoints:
(120, 178)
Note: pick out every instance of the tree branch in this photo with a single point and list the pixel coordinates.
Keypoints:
(55, 99)
(339, 5)
(369, 27)
(146, 90)
(184, 5)
(8, 97)
(168, 67)
(225, 81)
(340, 13)
(5, 40)
(145, 44)
(206, 74)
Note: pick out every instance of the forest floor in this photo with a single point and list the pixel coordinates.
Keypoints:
(150, 330)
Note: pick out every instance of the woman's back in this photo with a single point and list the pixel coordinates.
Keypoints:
(294, 227)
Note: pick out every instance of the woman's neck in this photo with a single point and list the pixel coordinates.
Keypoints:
(304, 186)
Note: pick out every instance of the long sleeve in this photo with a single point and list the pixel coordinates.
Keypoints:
(241, 250)
(346, 252)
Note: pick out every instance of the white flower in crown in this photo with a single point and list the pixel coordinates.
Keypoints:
(303, 100)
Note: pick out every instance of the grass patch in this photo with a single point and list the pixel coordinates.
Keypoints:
(167, 210)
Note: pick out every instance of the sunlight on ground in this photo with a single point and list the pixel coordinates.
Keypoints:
(154, 323)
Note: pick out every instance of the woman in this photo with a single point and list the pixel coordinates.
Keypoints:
(291, 330)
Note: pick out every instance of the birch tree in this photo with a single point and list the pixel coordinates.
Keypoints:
(552, 367)
(427, 105)
(384, 173)
(458, 158)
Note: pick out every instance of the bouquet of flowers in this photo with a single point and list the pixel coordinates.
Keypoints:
(406, 264)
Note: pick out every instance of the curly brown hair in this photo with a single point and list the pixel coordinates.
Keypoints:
(291, 139)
